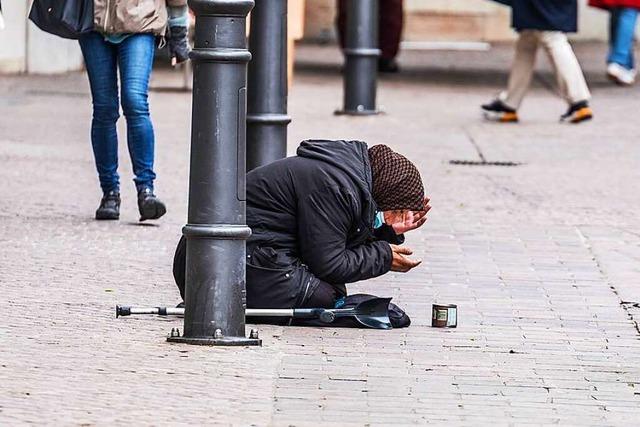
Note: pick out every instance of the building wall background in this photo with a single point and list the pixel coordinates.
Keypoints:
(13, 38)
(26, 48)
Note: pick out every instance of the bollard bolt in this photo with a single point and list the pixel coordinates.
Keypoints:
(254, 334)
(217, 334)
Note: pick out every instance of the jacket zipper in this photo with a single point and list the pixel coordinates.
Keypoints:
(106, 18)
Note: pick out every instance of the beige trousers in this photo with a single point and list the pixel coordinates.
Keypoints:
(573, 88)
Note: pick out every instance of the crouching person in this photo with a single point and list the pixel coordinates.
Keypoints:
(334, 214)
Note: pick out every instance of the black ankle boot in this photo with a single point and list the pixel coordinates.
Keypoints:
(149, 205)
(109, 206)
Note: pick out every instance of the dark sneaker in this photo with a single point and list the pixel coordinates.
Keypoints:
(149, 205)
(499, 112)
(109, 206)
(388, 65)
(178, 44)
(578, 112)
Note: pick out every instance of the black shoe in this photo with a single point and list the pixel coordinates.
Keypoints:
(149, 205)
(578, 112)
(388, 65)
(179, 44)
(109, 206)
(498, 111)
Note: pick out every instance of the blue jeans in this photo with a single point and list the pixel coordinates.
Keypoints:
(134, 58)
(622, 26)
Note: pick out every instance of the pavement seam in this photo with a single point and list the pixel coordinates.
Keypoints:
(585, 241)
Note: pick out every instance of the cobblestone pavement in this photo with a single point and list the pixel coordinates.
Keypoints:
(542, 260)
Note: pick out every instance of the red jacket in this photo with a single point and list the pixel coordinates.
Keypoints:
(608, 4)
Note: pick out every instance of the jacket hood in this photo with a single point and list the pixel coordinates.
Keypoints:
(352, 158)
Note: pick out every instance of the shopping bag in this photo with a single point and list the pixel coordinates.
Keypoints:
(65, 18)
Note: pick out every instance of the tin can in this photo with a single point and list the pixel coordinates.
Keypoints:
(444, 316)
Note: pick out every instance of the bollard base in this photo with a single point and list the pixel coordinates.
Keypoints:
(357, 112)
(225, 341)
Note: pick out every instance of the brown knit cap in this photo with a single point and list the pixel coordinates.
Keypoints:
(396, 181)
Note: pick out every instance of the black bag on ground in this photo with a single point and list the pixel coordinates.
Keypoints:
(64, 18)
(397, 316)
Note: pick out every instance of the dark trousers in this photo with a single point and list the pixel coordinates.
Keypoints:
(273, 282)
(324, 296)
(389, 26)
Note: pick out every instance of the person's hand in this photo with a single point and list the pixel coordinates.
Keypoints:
(401, 262)
(404, 221)
(178, 41)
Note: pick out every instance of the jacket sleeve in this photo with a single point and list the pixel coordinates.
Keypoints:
(385, 232)
(324, 221)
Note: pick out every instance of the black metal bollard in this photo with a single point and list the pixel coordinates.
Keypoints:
(267, 117)
(216, 231)
(361, 58)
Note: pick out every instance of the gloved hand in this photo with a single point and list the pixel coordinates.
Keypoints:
(178, 42)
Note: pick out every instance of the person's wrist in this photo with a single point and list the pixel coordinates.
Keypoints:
(389, 249)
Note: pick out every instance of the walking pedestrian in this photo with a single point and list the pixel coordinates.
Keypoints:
(623, 15)
(390, 17)
(543, 23)
(124, 40)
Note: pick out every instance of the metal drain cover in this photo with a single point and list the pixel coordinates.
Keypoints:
(483, 163)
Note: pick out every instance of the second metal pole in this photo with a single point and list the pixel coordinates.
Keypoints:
(361, 58)
(267, 117)
(216, 230)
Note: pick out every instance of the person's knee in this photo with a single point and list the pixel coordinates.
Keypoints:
(106, 111)
(553, 39)
(180, 265)
(324, 296)
(135, 103)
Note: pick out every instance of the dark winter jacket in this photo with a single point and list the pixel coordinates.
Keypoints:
(317, 208)
(545, 15)
(312, 219)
